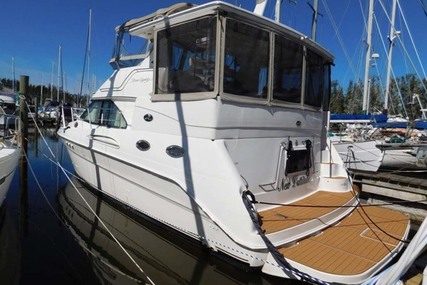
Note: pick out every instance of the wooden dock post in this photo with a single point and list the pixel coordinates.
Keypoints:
(23, 110)
(23, 170)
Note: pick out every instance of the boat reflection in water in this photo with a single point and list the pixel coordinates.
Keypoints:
(165, 256)
(10, 249)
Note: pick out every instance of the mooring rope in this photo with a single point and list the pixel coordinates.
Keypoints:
(87, 204)
(248, 200)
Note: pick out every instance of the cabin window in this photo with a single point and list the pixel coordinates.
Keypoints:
(8, 108)
(315, 79)
(287, 78)
(186, 57)
(105, 113)
(246, 60)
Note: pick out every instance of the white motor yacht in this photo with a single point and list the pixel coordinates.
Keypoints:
(215, 125)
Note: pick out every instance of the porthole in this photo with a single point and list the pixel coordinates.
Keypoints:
(175, 151)
(148, 117)
(143, 145)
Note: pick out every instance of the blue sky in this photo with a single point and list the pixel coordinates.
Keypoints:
(33, 30)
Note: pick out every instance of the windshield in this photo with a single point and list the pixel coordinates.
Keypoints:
(130, 50)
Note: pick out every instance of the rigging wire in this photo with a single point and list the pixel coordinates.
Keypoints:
(357, 87)
(424, 6)
(414, 46)
(392, 70)
(334, 25)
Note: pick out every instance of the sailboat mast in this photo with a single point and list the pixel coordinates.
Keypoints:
(393, 34)
(51, 81)
(314, 23)
(277, 11)
(260, 7)
(86, 60)
(88, 56)
(59, 72)
(13, 74)
(365, 107)
(41, 91)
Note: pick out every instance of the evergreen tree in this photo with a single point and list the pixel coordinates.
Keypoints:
(353, 98)
(337, 98)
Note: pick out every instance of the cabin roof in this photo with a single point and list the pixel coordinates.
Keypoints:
(155, 15)
(186, 10)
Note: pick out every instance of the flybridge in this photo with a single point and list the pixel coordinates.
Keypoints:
(124, 57)
(216, 48)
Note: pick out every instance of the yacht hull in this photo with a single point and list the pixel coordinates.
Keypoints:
(9, 157)
(160, 198)
(363, 155)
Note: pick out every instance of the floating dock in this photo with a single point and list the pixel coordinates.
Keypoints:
(405, 192)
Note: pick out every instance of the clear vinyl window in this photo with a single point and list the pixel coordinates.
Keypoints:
(315, 79)
(246, 60)
(186, 57)
(287, 80)
(105, 113)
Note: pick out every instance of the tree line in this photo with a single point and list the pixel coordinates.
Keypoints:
(402, 90)
(36, 91)
(343, 100)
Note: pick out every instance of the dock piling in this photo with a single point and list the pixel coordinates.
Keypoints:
(23, 170)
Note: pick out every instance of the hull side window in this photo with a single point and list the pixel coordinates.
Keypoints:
(104, 113)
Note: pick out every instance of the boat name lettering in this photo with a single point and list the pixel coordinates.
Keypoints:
(145, 79)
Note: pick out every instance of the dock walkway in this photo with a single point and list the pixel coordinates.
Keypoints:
(407, 191)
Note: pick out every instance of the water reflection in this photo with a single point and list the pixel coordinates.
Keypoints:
(165, 256)
(10, 249)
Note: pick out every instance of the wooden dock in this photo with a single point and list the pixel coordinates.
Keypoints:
(405, 192)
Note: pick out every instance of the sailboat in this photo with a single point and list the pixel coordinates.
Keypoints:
(404, 155)
(359, 152)
(216, 129)
(390, 150)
